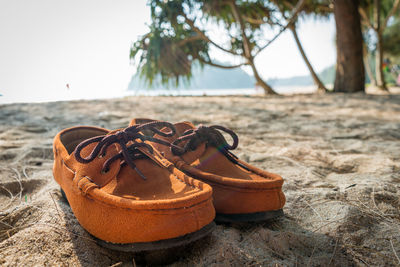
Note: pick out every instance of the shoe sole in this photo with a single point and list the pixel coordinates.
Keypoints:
(155, 245)
(249, 217)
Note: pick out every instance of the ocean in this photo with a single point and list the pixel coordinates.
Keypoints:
(66, 95)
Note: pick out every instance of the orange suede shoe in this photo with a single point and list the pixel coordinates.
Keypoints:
(124, 193)
(241, 192)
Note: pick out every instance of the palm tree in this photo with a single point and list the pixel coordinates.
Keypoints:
(350, 74)
(319, 8)
(178, 36)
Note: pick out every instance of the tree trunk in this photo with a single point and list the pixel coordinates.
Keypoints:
(267, 89)
(317, 81)
(368, 67)
(350, 73)
(380, 79)
(247, 50)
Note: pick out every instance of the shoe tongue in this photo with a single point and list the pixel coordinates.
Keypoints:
(93, 168)
(139, 121)
(180, 127)
(189, 156)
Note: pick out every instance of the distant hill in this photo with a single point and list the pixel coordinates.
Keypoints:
(207, 78)
(216, 78)
(327, 76)
(295, 80)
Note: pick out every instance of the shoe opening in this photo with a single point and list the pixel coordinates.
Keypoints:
(70, 139)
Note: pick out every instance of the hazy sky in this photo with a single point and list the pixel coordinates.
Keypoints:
(46, 44)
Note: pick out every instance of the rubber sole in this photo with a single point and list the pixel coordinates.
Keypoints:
(249, 217)
(156, 245)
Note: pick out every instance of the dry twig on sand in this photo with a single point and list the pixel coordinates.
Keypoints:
(394, 251)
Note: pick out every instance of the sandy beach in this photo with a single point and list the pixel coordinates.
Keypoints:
(338, 153)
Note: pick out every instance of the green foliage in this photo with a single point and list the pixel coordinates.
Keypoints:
(391, 40)
(370, 38)
(169, 56)
(177, 36)
(254, 12)
(317, 8)
(170, 47)
(368, 6)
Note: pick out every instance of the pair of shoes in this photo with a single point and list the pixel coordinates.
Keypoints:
(155, 185)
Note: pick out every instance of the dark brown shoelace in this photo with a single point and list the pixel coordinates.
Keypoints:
(210, 135)
(122, 137)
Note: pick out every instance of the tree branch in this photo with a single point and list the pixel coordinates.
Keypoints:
(326, 8)
(239, 19)
(220, 66)
(292, 19)
(189, 39)
(365, 18)
(254, 21)
(205, 37)
(391, 13)
(288, 4)
(321, 7)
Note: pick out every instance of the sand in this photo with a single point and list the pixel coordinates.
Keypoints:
(339, 155)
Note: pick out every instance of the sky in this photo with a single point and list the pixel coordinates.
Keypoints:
(47, 44)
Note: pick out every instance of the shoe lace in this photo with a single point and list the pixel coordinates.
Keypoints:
(122, 137)
(212, 136)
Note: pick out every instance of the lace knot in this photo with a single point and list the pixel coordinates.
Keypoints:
(210, 134)
(122, 138)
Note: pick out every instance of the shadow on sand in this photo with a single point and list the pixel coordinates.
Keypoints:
(280, 241)
(90, 253)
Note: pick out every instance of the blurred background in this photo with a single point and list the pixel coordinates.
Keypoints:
(61, 50)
